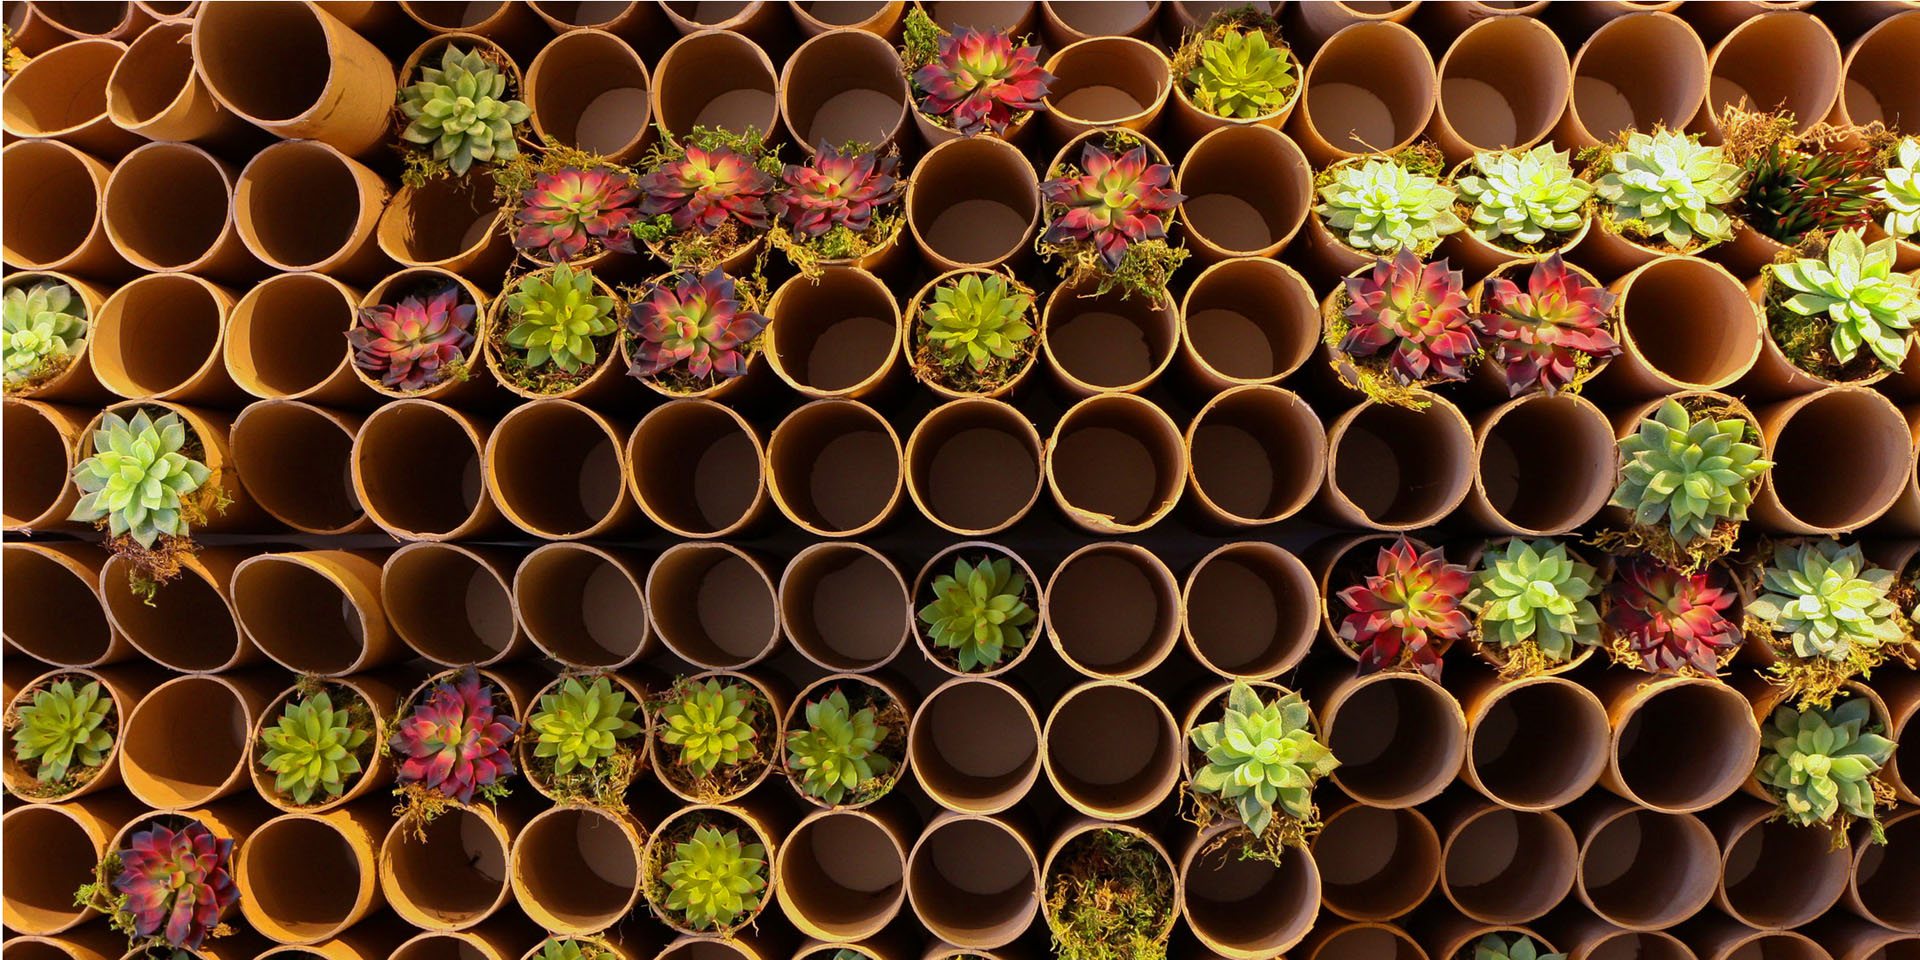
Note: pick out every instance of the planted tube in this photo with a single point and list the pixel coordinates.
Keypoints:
(1112, 749)
(1249, 609)
(1450, 936)
(62, 95)
(1885, 875)
(41, 449)
(1246, 320)
(833, 468)
(1642, 869)
(752, 824)
(169, 207)
(186, 743)
(845, 606)
(1806, 436)
(1591, 938)
(1636, 72)
(451, 223)
(294, 458)
(973, 202)
(1106, 81)
(713, 605)
(1677, 774)
(554, 468)
(74, 382)
(1775, 875)
(190, 625)
(369, 693)
(298, 72)
(715, 79)
(1400, 737)
(1395, 468)
(451, 872)
(1112, 610)
(1504, 83)
(576, 869)
(1106, 342)
(285, 339)
(307, 877)
(974, 745)
(306, 205)
(1116, 464)
(159, 338)
(1246, 908)
(841, 874)
(844, 86)
(50, 193)
(1256, 455)
(951, 656)
(973, 466)
(155, 92)
(583, 605)
(53, 612)
(836, 335)
(1532, 744)
(1375, 863)
(1506, 866)
(210, 429)
(698, 469)
(973, 881)
(1745, 69)
(454, 604)
(1543, 465)
(475, 387)
(1878, 80)
(416, 470)
(50, 851)
(1229, 214)
(316, 611)
(1370, 88)
(123, 685)
(1685, 324)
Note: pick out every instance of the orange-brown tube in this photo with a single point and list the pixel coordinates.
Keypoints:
(554, 468)
(1228, 214)
(1370, 88)
(159, 338)
(1642, 869)
(835, 335)
(973, 203)
(1504, 83)
(589, 89)
(452, 604)
(50, 850)
(1115, 341)
(417, 471)
(1532, 744)
(1542, 465)
(316, 611)
(189, 625)
(1676, 775)
(844, 86)
(1246, 320)
(1106, 81)
(1806, 436)
(1636, 71)
(42, 444)
(1116, 463)
(456, 876)
(974, 745)
(1745, 69)
(308, 877)
(62, 95)
(1066, 23)
(973, 881)
(169, 207)
(1504, 866)
(124, 684)
(1885, 875)
(765, 22)
(1256, 455)
(718, 79)
(285, 337)
(834, 468)
(1879, 77)
(713, 605)
(973, 466)
(297, 71)
(186, 744)
(576, 869)
(54, 613)
(1400, 736)
(1112, 610)
(1774, 874)
(1685, 324)
(1396, 468)
(1375, 863)
(845, 606)
(1249, 609)
(294, 458)
(1112, 749)
(841, 874)
(50, 197)
(583, 605)
(155, 92)
(697, 468)
(451, 223)
(305, 205)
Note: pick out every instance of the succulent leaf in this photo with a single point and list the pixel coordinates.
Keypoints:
(557, 317)
(1521, 947)
(1674, 186)
(416, 343)
(44, 326)
(176, 883)
(981, 82)
(1261, 756)
(62, 728)
(569, 210)
(978, 612)
(456, 739)
(459, 111)
(1829, 601)
(1522, 197)
(712, 724)
(1899, 191)
(1241, 75)
(836, 189)
(1820, 762)
(1403, 613)
(1690, 473)
(573, 948)
(1855, 287)
(137, 478)
(704, 190)
(977, 319)
(1674, 620)
(1536, 591)
(581, 724)
(1113, 202)
(714, 880)
(693, 323)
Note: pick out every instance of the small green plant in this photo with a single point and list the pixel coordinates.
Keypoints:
(1377, 205)
(1241, 74)
(1899, 191)
(557, 318)
(1521, 198)
(1819, 763)
(1495, 947)
(1855, 289)
(63, 730)
(712, 724)
(977, 319)
(575, 948)
(1110, 897)
(581, 724)
(460, 111)
(1535, 602)
(1828, 600)
(44, 326)
(838, 751)
(1666, 187)
(1261, 756)
(978, 611)
(1692, 473)
(137, 479)
(715, 881)
(313, 748)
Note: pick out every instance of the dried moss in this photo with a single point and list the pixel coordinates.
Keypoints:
(1110, 897)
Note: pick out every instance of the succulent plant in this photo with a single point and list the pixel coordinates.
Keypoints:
(1523, 197)
(694, 323)
(1378, 205)
(456, 740)
(838, 750)
(62, 728)
(1821, 762)
(43, 327)
(1542, 335)
(836, 190)
(1792, 193)
(416, 343)
(1404, 612)
(1690, 472)
(1261, 756)
(1856, 288)
(137, 477)
(176, 883)
(1899, 190)
(1536, 591)
(714, 880)
(1671, 188)
(310, 749)
(557, 317)
(570, 209)
(704, 190)
(1415, 314)
(712, 724)
(978, 611)
(1673, 620)
(1829, 601)
(1241, 74)
(461, 112)
(574, 948)
(581, 723)
(981, 82)
(1495, 947)
(977, 319)
(1111, 203)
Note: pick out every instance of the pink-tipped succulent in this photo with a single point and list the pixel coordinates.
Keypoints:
(1405, 611)
(455, 740)
(1116, 202)
(981, 82)
(415, 343)
(694, 322)
(176, 883)
(1673, 620)
(1416, 314)
(1539, 335)
(570, 209)
(705, 190)
(835, 189)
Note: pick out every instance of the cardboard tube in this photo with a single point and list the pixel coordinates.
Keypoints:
(973, 203)
(159, 337)
(1775, 376)
(1884, 876)
(190, 625)
(1590, 938)
(1685, 324)
(316, 611)
(297, 72)
(416, 470)
(844, 86)
(576, 868)
(590, 90)
(1774, 874)
(155, 92)
(1902, 696)
(1400, 737)
(1246, 320)
(32, 31)
(1316, 24)
(125, 685)
(973, 466)
(1116, 464)
(1015, 17)
(50, 851)
(1715, 938)
(62, 95)
(1249, 609)
(507, 22)
(1106, 342)
(451, 223)
(304, 205)
(169, 206)
(974, 745)
(54, 614)
(554, 468)
(697, 469)
(754, 822)
(1112, 610)
(640, 22)
(307, 877)
(1450, 936)
(714, 78)
(1637, 71)
(1501, 866)
(1442, 23)
(457, 876)
(1879, 76)
(1804, 436)
(845, 606)
(285, 339)
(1105, 81)
(1257, 454)
(837, 335)
(583, 605)
(1229, 214)
(884, 692)
(841, 874)
(1395, 468)
(1504, 83)
(452, 604)
(42, 440)
(1676, 774)
(1542, 465)
(506, 936)
(1246, 908)
(1375, 863)
(713, 605)
(1642, 869)
(833, 467)
(1068, 23)
(50, 192)
(765, 22)
(110, 21)
(380, 698)
(1745, 68)
(1532, 744)
(973, 881)
(293, 457)
(1370, 89)
(185, 744)
(976, 552)
(1112, 749)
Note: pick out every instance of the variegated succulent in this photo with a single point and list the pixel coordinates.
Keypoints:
(1667, 187)
(1112, 202)
(45, 325)
(1407, 610)
(456, 740)
(416, 343)
(1673, 621)
(1827, 601)
(981, 83)
(1545, 334)
(571, 213)
(702, 190)
(694, 324)
(1855, 289)
(836, 190)
(1413, 316)
(1377, 205)
(1521, 198)
(177, 884)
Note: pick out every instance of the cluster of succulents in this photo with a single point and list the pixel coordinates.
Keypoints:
(1854, 287)
(1898, 191)
(1241, 74)
(176, 884)
(557, 315)
(417, 343)
(570, 213)
(711, 722)
(981, 82)
(979, 611)
(44, 325)
(457, 740)
(1522, 198)
(1792, 193)
(1673, 622)
(837, 192)
(978, 320)
(714, 881)
(1667, 187)
(1412, 314)
(1827, 601)
(1820, 762)
(1379, 205)
(312, 749)
(838, 751)
(1547, 333)
(1689, 473)
(137, 480)
(1521, 947)
(62, 729)
(581, 724)
(705, 190)
(459, 111)
(1535, 594)
(1110, 206)
(695, 324)
(1404, 613)
(1261, 756)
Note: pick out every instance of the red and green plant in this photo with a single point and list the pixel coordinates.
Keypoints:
(416, 343)
(456, 741)
(1402, 614)
(1673, 621)
(175, 884)
(705, 189)
(1412, 314)
(570, 210)
(1111, 215)
(1793, 192)
(1546, 334)
(836, 190)
(694, 324)
(981, 82)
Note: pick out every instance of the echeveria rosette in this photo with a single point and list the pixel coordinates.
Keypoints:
(1820, 763)
(311, 749)
(1414, 316)
(981, 83)
(1535, 594)
(836, 190)
(978, 612)
(1545, 334)
(1493, 946)
(459, 111)
(1262, 757)
(62, 728)
(1113, 202)
(137, 479)
(838, 750)
(692, 323)
(569, 210)
(1899, 191)
(1407, 610)
(1241, 74)
(1376, 205)
(416, 343)
(177, 883)
(456, 740)
(1666, 621)
(714, 881)
(1688, 474)
(711, 722)
(557, 316)
(1665, 186)
(1824, 601)
(1855, 288)
(1522, 198)
(580, 724)
(45, 324)
(977, 319)
(707, 189)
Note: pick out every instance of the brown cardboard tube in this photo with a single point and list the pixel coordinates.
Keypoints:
(505, 21)
(452, 604)
(1685, 324)
(169, 206)
(1400, 737)
(879, 17)
(189, 626)
(714, 78)
(1375, 863)
(293, 457)
(973, 202)
(1187, 122)
(168, 11)
(1745, 68)
(1542, 465)
(307, 877)
(113, 21)
(974, 745)
(450, 222)
(54, 613)
(583, 605)
(316, 611)
(125, 685)
(76, 382)
(1106, 81)
(155, 92)
(285, 337)
(1112, 749)
(1532, 744)
(1450, 936)
(159, 337)
(844, 86)
(1112, 610)
(416, 470)
(1503, 866)
(297, 72)
(35, 33)
(1441, 23)
(590, 90)
(457, 876)
(89, 943)
(973, 880)
(1246, 908)
(1879, 75)
(576, 868)
(503, 937)
(1066, 23)
(1885, 876)
(1361, 941)
(1849, 938)
(554, 468)
(1257, 454)
(185, 744)
(42, 441)
(765, 22)
(51, 200)
(1901, 693)
(973, 466)
(50, 851)
(1590, 938)
(845, 606)
(62, 94)
(304, 205)
(713, 604)
(1637, 71)
(698, 469)
(1246, 320)
(841, 874)
(1016, 17)
(833, 467)
(1642, 869)
(1775, 874)
(1249, 609)
(1504, 83)
(1314, 24)
(1370, 89)
(1715, 938)
(1395, 468)
(976, 552)
(1229, 214)
(1106, 342)
(837, 335)
(380, 698)
(1184, 15)
(1806, 436)
(1116, 463)
(1677, 774)
(1073, 849)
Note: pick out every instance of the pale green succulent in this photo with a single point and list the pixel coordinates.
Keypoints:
(569, 948)
(714, 880)
(137, 477)
(1262, 755)
(1820, 762)
(712, 724)
(557, 318)
(1378, 205)
(61, 727)
(311, 749)
(1522, 197)
(1828, 599)
(580, 724)
(460, 111)
(1691, 473)
(1521, 947)
(1674, 187)
(837, 750)
(1899, 191)
(1241, 74)
(44, 325)
(977, 319)
(1856, 288)
(1536, 591)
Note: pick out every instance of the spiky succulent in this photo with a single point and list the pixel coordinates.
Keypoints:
(836, 190)
(311, 748)
(697, 324)
(1692, 473)
(581, 723)
(715, 881)
(1543, 335)
(456, 740)
(1792, 193)
(1855, 287)
(1523, 197)
(1898, 191)
(1673, 620)
(1111, 203)
(1818, 763)
(1413, 313)
(417, 342)
(1241, 74)
(569, 210)
(137, 479)
(977, 319)
(1377, 205)
(176, 883)
(44, 325)
(838, 750)
(61, 728)
(1404, 612)
(557, 317)
(1668, 187)
(1495, 947)
(1536, 591)
(978, 611)
(712, 723)
(460, 111)
(1828, 600)
(575, 948)
(704, 190)
(1262, 755)
(981, 82)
